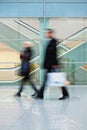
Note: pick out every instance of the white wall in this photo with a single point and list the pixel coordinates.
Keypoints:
(65, 27)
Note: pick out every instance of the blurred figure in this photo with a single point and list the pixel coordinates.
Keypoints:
(25, 57)
(51, 63)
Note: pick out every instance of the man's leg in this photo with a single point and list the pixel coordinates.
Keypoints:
(64, 93)
(33, 85)
(41, 90)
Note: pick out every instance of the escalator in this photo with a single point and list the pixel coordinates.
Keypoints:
(73, 55)
(9, 75)
(10, 65)
(79, 76)
(73, 42)
(73, 49)
(28, 27)
(8, 55)
(13, 33)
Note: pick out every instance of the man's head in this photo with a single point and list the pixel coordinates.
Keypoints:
(49, 33)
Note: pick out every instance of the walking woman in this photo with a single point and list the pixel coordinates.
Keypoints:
(25, 57)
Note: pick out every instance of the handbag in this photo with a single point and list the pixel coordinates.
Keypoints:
(56, 79)
(24, 70)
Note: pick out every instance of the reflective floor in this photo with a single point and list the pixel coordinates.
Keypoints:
(26, 113)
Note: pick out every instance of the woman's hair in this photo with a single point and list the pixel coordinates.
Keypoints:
(28, 44)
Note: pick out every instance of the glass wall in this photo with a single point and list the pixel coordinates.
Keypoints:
(13, 33)
(71, 34)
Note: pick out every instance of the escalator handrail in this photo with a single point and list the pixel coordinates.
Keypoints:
(72, 49)
(71, 36)
(30, 26)
(26, 26)
(12, 81)
(15, 68)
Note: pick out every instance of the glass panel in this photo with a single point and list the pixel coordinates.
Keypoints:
(76, 73)
(72, 50)
(61, 50)
(8, 71)
(13, 33)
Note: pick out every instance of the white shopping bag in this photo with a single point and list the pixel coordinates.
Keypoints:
(56, 79)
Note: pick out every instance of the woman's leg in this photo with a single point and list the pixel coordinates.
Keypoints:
(21, 86)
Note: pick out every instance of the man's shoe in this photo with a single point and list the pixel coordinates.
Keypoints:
(18, 95)
(33, 95)
(38, 97)
(64, 97)
(41, 97)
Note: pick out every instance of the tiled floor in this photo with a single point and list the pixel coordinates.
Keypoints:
(26, 113)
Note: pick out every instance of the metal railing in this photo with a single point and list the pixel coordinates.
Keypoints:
(76, 72)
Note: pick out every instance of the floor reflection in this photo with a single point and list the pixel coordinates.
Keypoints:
(26, 113)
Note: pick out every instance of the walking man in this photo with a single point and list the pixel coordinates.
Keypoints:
(50, 63)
